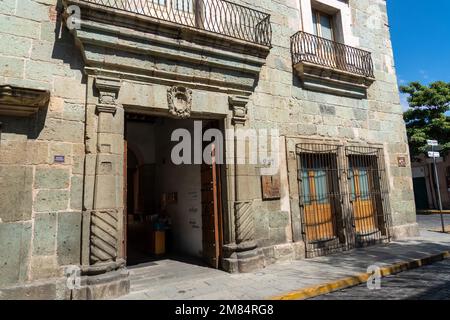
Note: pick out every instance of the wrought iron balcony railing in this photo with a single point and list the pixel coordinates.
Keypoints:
(312, 49)
(217, 16)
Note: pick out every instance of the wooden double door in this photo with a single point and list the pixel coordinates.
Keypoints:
(365, 194)
(319, 185)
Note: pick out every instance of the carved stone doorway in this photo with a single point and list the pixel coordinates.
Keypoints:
(173, 210)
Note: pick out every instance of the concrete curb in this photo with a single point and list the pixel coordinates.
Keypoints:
(361, 278)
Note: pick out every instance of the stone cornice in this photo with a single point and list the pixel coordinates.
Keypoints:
(324, 79)
(146, 39)
(16, 101)
(104, 84)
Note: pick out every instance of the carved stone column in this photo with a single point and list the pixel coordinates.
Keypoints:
(104, 269)
(242, 255)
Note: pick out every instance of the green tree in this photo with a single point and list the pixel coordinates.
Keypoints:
(427, 118)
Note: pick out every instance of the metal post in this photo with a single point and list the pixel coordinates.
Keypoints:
(438, 190)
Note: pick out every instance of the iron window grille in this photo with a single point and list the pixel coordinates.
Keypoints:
(319, 175)
(343, 197)
(369, 195)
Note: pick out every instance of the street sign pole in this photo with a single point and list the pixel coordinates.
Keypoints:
(438, 189)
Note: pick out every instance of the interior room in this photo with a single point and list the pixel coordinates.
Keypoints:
(163, 200)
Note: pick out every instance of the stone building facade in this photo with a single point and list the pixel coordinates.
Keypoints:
(72, 71)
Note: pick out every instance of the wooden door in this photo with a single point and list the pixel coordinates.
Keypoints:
(211, 204)
(323, 27)
(317, 200)
(363, 197)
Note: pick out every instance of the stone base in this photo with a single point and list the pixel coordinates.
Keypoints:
(109, 285)
(52, 289)
(284, 253)
(259, 258)
(405, 231)
(242, 262)
(106, 286)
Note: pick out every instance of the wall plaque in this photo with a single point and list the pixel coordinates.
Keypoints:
(59, 159)
(271, 187)
(402, 162)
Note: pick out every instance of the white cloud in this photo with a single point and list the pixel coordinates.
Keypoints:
(404, 101)
(424, 74)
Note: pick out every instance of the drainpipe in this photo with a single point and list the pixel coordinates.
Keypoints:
(301, 16)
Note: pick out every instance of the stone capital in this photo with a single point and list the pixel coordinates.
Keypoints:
(108, 89)
(239, 106)
(106, 108)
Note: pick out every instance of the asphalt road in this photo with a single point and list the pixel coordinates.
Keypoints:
(427, 283)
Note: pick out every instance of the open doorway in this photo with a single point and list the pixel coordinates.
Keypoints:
(172, 211)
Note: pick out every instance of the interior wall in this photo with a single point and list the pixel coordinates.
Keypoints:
(152, 141)
(185, 180)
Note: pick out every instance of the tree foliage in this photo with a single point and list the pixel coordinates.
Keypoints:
(427, 118)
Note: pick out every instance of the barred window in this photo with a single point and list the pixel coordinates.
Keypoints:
(338, 184)
(319, 190)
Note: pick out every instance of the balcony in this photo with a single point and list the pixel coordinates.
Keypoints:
(215, 16)
(212, 45)
(328, 66)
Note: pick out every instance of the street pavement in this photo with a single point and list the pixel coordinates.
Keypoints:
(433, 221)
(431, 282)
(427, 283)
(178, 280)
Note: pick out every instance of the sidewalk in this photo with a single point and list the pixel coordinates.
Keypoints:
(175, 280)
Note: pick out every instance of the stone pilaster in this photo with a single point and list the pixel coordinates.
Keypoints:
(243, 255)
(104, 266)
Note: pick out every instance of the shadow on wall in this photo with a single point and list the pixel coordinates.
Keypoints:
(64, 48)
(29, 127)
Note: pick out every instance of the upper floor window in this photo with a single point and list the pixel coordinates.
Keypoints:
(326, 43)
(185, 5)
(323, 25)
(159, 2)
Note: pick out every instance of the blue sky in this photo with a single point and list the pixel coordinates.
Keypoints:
(420, 32)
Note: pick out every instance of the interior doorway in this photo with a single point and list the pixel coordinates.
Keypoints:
(421, 193)
(172, 210)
